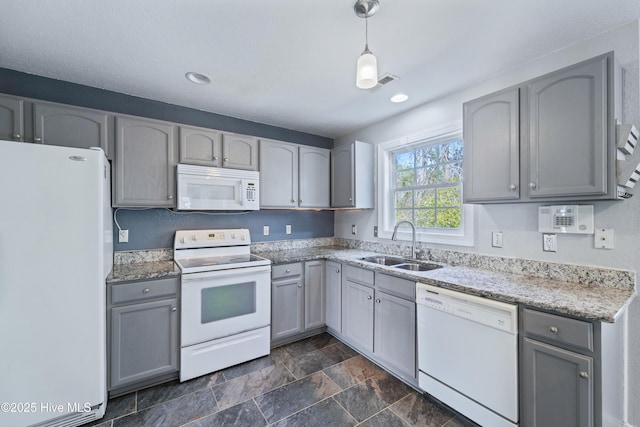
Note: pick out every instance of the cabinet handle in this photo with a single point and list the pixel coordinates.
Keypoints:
(553, 329)
(169, 197)
(16, 136)
(37, 139)
(350, 199)
(513, 187)
(299, 285)
(584, 374)
(173, 309)
(145, 290)
(293, 200)
(532, 185)
(369, 297)
(287, 271)
(378, 300)
(226, 159)
(215, 157)
(337, 270)
(300, 200)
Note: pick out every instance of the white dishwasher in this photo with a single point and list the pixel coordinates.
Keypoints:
(468, 354)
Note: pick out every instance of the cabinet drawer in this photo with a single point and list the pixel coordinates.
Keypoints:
(359, 275)
(286, 270)
(396, 286)
(558, 329)
(149, 289)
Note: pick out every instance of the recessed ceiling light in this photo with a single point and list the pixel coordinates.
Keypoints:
(399, 97)
(198, 78)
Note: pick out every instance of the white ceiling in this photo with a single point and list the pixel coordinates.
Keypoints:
(291, 63)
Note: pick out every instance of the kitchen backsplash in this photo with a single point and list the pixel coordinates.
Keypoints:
(588, 275)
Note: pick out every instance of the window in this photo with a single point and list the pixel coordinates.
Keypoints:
(427, 185)
(420, 179)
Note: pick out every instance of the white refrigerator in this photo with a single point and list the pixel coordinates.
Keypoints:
(56, 249)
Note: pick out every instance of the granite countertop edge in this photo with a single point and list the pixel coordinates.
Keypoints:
(143, 271)
(588, 302)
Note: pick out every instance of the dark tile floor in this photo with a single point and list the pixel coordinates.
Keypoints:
(318, 381)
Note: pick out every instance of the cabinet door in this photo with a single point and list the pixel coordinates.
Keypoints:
(287, 305)
(239, 152)
(333, 292)
(557, 387)
(71, 127)
(314, 294)
(278, 174)
(144, 341)
(314, 177)
(342, 177)
(395, 332)
(200, 146)
(568, 132)
(491, 147)
(145, 163)
(357, 314)
(11, 118)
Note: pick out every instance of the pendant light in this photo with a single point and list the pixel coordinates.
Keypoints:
(367, 68)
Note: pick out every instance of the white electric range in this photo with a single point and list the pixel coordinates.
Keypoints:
(225, 300)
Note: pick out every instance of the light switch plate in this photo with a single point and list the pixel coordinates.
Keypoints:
(287, 229)
(603, 238)
(354, 229)
(549, 242)
(496, 239)
(265, 230)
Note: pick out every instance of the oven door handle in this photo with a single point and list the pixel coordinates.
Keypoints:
(237, 272)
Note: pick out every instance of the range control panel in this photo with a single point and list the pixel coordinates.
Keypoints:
(190, 239)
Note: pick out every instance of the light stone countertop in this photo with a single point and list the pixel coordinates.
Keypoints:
(588, 301)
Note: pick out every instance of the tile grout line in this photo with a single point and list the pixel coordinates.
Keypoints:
(260, 409)
(343, 408)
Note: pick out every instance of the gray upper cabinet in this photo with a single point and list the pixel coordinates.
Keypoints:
(549, 139)
(146, 154)
(313, 188)
(333, 292)
(199, 146)
(314, 294)
(352, 173)
(491, 148)
(293, 176)
(568, 137)
(278, 174)
(11, 118)
(239, 151)
(55, 124)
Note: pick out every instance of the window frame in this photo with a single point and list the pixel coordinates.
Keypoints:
(386, 199)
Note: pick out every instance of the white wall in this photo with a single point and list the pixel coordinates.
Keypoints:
(518, 222)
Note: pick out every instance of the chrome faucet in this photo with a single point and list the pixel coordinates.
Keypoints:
(413, 236)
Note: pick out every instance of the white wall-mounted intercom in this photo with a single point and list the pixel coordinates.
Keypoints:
(566, 219)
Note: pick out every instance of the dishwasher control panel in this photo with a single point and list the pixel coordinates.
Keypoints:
(487, 312)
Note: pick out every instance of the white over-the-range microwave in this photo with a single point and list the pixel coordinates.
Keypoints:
(217, 189)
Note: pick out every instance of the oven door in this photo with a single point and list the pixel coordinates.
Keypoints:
(217, 304)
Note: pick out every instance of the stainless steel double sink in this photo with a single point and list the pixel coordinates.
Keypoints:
(402, 263)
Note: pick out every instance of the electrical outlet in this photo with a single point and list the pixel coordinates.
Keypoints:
(496, 239)
(287, 229)
(354, 229)
(549, 242)
(375, 231)
(265, 230)
(123, 236)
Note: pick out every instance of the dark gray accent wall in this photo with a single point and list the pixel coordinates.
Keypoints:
(155, 228)
(31, 86)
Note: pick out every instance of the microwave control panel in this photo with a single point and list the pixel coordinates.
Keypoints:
(251, 192)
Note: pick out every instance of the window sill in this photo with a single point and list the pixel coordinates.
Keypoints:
(438, 238)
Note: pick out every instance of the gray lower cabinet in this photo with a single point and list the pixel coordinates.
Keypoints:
(314, 295)
(357, 314)
(571, 371)
(297, 300)
(56, 124)
(146, 157)
(549, 139)
(287, 301)
(333, 292)
(11, 118)
(142, 333)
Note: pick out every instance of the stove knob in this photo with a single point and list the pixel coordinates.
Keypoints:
(233, 235)
(182, 240)
(194, 237)
(242, 237)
